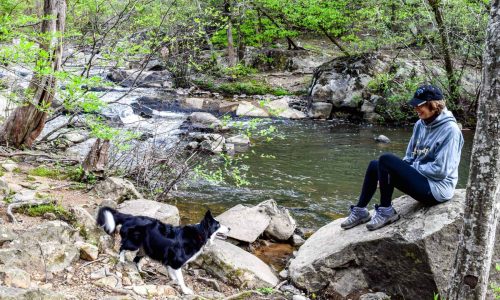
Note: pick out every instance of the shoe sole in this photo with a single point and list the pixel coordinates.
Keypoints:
(362, 221)
(390, 221)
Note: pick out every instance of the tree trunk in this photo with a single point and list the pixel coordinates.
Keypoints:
(473, 260)
(335, 42)
(231, 53)
(453, 81)
(97, 158)
(26, 122)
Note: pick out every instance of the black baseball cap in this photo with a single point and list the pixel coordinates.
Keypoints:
(425, 93)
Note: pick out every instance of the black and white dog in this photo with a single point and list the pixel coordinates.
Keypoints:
(173, 246)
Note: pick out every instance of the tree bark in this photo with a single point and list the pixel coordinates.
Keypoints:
(27, 121)
(97, 158)
(453, 81)
(231, 53)
(473, 259)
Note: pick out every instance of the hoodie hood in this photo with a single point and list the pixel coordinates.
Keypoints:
(444, 117)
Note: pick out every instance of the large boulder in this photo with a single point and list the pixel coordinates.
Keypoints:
(117, 189)
(412, 257)
(280, 108)
(47, 247)
(247, 109)
(204, 121)
(166, 213)
(12, 293)
(236, 266)
(248, 223)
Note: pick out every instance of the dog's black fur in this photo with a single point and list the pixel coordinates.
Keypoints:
(173, 246)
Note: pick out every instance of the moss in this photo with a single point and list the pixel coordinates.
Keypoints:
(17, 171)
(56, 209)
(30, 178)
(43, 171)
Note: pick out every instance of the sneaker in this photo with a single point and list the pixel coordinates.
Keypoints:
(359, 215)
(383, 216)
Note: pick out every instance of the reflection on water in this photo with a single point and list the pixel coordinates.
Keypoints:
(317, 171)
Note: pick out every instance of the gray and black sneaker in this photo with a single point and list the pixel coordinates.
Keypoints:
(359, 215)
(383, 216)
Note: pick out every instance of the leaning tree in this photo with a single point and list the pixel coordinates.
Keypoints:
(473, 260)
(27, 121)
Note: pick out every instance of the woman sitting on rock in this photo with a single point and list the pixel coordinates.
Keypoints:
(429, 170)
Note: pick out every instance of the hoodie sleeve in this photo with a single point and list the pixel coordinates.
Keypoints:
(447, 157)
(411, 145)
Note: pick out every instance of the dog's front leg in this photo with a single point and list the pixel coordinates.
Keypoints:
(176, 275)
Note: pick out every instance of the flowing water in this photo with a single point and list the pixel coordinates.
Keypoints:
(316, 170)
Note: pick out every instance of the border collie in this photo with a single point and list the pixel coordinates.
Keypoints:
(173, 246)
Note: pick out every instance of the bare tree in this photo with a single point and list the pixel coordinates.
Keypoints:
(473, 259)
(25, 124)
(231, 52)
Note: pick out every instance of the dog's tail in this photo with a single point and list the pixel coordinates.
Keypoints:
(109, 218)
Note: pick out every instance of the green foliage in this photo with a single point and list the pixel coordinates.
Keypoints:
(395, 93)
(496, 288)
(266, 290)
(224, 169)
(249, 87)
(44, 171)
(238, 71)
(40, 210)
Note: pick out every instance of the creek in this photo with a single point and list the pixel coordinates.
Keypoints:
(316, 170)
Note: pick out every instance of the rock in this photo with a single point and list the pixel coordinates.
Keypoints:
(280, 108)
(11, 293)
(236, 266)
(193, 103)
(192, 145)
(109, 281)
(297, 240)
(87, 251)
(241, 142)
(205, 121)
(117, 189)
(166, 213)
(320, 110)
(367, 107)
(375, 296)
(228, 107)
(299, 297)
(74, 137)
(151, 79)
(25, 195)
(382, 139)
(152, 290)
(98, 274)
(9, 166)
(86, 223)
(247, 109)
(421, 246)
(283, 274)
(49, 246)
(246, 223)
(282, 225)
(14, 277)
(6, 235)
(210, 142)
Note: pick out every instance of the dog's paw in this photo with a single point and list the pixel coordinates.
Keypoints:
(187, 291)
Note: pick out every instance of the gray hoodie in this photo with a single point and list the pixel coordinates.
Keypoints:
(434, 151)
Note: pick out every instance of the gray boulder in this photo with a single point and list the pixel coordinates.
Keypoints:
(281, 225)
(248, 223)
(166, 213)
(205, 121)
(236, 266)
(49, 246)
(247, 109)
(12, 293)
(210, 142)
(117, 189)
(320, 110)
(412, 257)
(382, 139)
(241, 142)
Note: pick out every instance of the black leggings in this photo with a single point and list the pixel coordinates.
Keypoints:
(390, 171)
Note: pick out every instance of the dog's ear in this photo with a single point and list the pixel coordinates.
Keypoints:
(208, 215)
